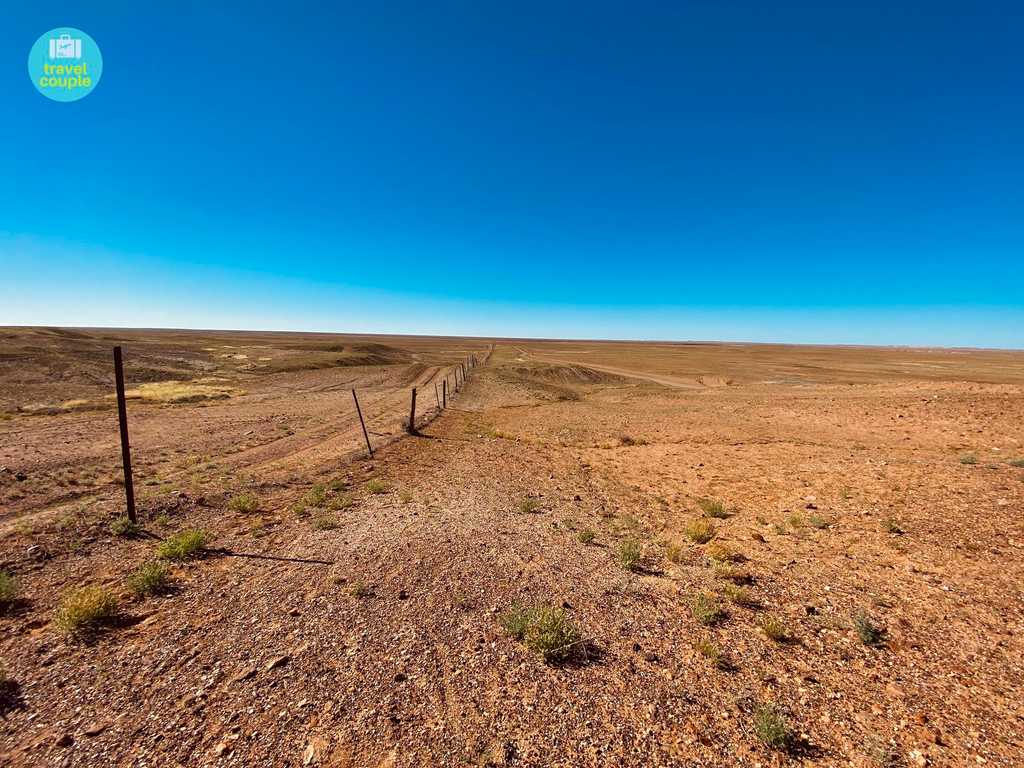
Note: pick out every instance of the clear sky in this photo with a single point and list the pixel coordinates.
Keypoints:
(807, 172)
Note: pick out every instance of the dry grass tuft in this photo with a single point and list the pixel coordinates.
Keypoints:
(700, 531)
(722, 553)
(586, 536)
(705, 609)
(179, 392)
(186, 545)
(84, 610)
(244, 502)
(713, 508)
(377, 487)
(150, 578)
(774, 629)
(630, 554)
(8, 589)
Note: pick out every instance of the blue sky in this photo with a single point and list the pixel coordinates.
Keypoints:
(804, 172)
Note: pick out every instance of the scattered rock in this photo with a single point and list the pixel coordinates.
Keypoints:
(314, 751)
(244, 674)
(95, 728)
(65, 740)
(277, 661)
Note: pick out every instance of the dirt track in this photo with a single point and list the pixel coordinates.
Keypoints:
(842, 498)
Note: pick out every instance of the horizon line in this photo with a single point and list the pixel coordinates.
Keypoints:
(516, 338)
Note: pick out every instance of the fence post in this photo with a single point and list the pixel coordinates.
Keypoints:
(437, 396)
(411, 429)
(369, 448)
(126, 451)
(444, 393)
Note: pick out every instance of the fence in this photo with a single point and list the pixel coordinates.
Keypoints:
(458, 374)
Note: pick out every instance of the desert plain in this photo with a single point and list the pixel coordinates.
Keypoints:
(598, 554)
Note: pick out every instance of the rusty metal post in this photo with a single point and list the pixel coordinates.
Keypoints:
(369, 448)
(444, 393)
(411, 428)
(126, 451)
(437, 396)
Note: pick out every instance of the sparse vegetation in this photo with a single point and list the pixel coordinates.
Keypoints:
(969, 458)
(529, 505)
(360, 589)
(868, 632)
(892, 525)
(774, 629)
(405, 496)
(1017, 463)
(186, 545)
(771, 728)
(796, 522)
(630, 554)
(377, 487)
(710, 651)
(315, 496)
(122, 526)
(674, 553)
(705, 609)
(722, 553)
(739, 595)
(325, 523)
(730, 572)
(700, 531)
(544, 629)
(244, 502)
(713, 508)
(817, 521)
(85, 609)
(150, 578)
(586, 536)
(8, 589)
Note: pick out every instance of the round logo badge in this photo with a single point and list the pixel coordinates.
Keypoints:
(65, 64)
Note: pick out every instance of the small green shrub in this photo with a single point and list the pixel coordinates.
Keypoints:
(325, 523)
(8, 589)
(85, 609)
(730, 572)
(630, 554)
(377, 487)
(771, 727)
(739, 595)
(796, 522)
(700, 531)
(315, 496)
(186, 545)
(405, 496)
(586, 536)
(713, 508)
(774, 629)
(817, 521)
(244, 502)
(361, 589)
(543, 629)
(150, 578)
(1017, 463)
(705, 609)
(892, 525)
(868, 632)
(122, 526)
(528, 506)
(711, 652)
(969, 459)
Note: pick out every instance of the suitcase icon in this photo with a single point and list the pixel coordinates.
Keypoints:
(65, 47)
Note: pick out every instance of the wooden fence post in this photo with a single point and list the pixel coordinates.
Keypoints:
(411, 428)
(126, 451)
(369, 448)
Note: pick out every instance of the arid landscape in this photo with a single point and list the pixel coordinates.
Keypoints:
(599, 554)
